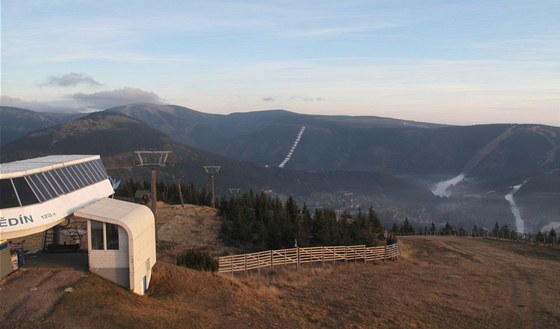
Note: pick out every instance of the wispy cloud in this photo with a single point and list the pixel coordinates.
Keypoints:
(102, 40)
(535, 47)
(112, 98)
(52, 106)
(330, 31)
(295, 98)
(83, 102)
(70, 80)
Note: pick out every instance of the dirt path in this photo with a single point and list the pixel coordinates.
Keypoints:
(30, 295)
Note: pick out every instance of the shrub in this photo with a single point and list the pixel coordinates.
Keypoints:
(198, 260)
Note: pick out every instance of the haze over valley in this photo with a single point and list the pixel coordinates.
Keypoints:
(464, 175)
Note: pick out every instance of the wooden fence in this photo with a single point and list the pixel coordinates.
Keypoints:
(298, 256)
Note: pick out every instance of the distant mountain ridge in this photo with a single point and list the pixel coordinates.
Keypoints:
(388, 145)
(115, 136)
(339, 161)
(17, 122)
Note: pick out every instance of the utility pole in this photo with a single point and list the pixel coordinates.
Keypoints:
(180, 191)
(152, 159)
(212, 171)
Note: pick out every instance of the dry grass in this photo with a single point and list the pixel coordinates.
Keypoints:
(438, 282)
(188, 227)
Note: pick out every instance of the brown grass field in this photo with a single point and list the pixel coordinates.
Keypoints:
(438, 282)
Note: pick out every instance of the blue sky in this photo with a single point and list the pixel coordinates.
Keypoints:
(457, 62)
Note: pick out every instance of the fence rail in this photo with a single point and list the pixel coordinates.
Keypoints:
(298, 256)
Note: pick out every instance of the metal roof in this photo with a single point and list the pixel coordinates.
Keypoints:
(30, 166)
(135, 218)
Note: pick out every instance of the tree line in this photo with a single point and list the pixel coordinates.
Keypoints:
(260, 222)
(256, 222)
(498, 231)
(406, 228)
(168, 192)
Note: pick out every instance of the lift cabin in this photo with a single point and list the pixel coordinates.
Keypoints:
(40, 193)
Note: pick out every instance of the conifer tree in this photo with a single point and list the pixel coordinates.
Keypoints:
(395, 228)
(496, 230)
(552, 235)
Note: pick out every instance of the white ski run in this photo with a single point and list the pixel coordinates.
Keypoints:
(289, 155)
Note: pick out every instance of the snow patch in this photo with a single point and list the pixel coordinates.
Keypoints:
(442, 188)
(519, 223)
(289, 155)
(551, 225)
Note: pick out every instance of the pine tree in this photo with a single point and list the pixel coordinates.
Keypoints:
(305, 234)
(395, 228)
(505, 231)
(446, 229)
(496, 230)
(539, 237)
(552, 235)
(374, 224)
(406, 227)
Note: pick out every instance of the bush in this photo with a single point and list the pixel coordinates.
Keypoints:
(198, 260)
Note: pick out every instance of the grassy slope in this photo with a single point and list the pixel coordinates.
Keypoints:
(439, 282)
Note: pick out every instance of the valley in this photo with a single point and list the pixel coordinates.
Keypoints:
(404, 169)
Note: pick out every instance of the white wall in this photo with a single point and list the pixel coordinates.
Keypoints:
(111, 264)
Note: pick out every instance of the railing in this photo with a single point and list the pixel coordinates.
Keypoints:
(298, 256)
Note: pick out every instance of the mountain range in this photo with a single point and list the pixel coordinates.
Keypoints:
(342, 162)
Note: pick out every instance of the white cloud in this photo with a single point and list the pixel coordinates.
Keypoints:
(71, 79)
(112, 98)
(55, 106)
(295, 98)
(82, 102)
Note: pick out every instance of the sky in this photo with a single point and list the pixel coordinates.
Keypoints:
(455, 62)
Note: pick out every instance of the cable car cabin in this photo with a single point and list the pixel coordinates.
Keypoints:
(37, 194)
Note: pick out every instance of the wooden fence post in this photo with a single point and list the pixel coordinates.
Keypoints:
(297, 263)
(393, 251)
(385, 252)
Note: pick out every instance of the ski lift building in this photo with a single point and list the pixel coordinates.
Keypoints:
(40, 193)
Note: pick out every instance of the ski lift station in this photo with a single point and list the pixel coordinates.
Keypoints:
(41, 193)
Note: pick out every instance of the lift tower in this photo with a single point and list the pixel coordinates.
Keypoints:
(212, 171)
(152, 159)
